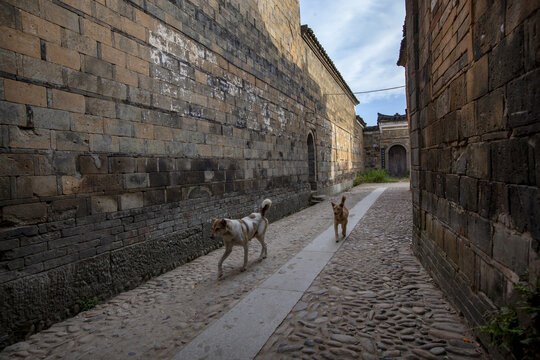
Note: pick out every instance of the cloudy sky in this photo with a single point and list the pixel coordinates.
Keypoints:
(362, 38)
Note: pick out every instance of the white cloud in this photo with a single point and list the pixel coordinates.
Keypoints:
(362, 38)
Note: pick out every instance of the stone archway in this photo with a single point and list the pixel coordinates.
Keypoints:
(397, 161)
(312, 169)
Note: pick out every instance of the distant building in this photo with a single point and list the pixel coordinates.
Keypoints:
(387, 146)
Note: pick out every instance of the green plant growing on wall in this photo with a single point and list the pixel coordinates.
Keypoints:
(88, 303)
(517, 328)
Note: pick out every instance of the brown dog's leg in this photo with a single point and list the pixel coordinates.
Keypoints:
(344, 228)
(336, 231)
(228, 250)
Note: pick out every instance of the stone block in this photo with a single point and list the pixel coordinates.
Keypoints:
(158, 179)
(64, 163)
(118, 127)
(477, 78)
(132, 146)
(154, 197)
(490, 112)
(511, 249)
(506, 59)
(100, 107)
(128, 112)
(104, 143)
(25, 214)
(486, 30)
(81, 81)
(524, 204)
(60, 16)
(93, 164)
(29, 186)
(458, 93)
(12, 114)
(122, 165)
(523, 100)
(147, 165)
(131, 201)
(87, 124)
(97, 32)
(510, 161)
(479, 231)
(113, 55)
(63, 56)
(72, 141)
(112, 88)
(467, 192)
(137, 180)
(64, 209)
(491, 281)
(167, 164)
(39, 70)
(516, 12)
(51, 119)
(39, 139)
(144, 131)
(97, 67)
(5, 188)
(139, 96)
(68, 101)
(138, 65)
(126, 76)
(24, 93)
(44, 29)
(103, 204)
(20, 42)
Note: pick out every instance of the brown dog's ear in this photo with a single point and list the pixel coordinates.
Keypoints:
(223, 222)
(333, 205)
(213, 220)
(343, 198)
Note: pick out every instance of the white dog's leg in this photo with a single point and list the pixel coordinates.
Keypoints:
(227, 252)
(245, 257)
(263, 245)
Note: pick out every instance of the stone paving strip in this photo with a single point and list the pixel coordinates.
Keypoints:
(374, 300)
(157, 319)
(242, 332)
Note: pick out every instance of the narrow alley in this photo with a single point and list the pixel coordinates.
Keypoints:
(371, 300)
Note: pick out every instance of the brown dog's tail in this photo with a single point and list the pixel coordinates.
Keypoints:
(343, 198)
(265, 206)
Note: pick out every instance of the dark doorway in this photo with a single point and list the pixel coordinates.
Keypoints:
(311, 162)
(397, 161)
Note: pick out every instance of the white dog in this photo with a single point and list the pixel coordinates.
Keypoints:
(240, 232)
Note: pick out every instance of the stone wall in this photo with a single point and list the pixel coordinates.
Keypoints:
(126, 125)
(473, 79)
(372, 147)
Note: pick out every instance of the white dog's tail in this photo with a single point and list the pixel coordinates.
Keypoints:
(265, 206)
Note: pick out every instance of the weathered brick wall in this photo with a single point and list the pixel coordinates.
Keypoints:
(372, 147)
(126, 125)
(473, 79)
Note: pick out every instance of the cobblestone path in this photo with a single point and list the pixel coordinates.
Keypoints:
(374, 300)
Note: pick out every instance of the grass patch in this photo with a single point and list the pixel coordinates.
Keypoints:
(376, 176)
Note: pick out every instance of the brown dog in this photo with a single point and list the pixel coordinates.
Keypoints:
(341, 215)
